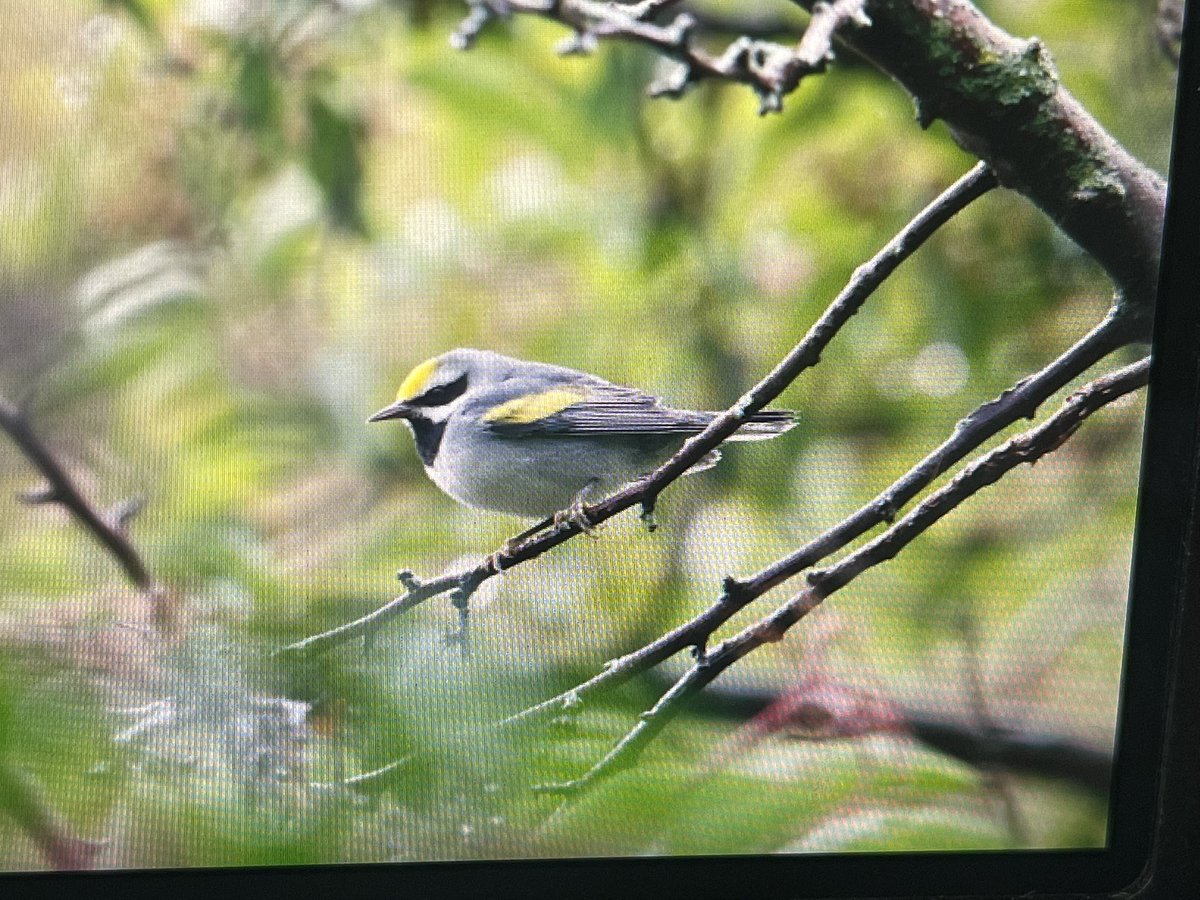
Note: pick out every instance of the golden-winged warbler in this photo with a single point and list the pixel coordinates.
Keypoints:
(532, 439)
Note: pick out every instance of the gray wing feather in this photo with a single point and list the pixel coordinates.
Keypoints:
(619, 411)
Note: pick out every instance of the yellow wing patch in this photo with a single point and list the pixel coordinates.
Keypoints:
(416, 380)
(533, 407)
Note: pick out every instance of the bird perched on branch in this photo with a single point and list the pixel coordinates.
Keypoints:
(534, 440)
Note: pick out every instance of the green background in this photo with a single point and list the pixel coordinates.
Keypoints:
(224, 241)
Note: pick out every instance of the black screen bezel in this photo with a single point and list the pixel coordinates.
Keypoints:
(1164, 579)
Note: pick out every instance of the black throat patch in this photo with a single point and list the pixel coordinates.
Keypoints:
(428, 436)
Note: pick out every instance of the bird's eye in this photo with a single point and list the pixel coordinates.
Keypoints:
(442, 393)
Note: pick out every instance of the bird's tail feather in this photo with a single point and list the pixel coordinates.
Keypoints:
(765, 425)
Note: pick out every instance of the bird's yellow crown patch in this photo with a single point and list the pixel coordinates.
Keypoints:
(533, 407)
(416, 380)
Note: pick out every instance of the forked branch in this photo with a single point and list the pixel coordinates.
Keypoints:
(109, 528)
(1019, 402)
(865, 280)
(772, 70)
(1027, 447)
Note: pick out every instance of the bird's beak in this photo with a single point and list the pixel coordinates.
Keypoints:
(398, 410)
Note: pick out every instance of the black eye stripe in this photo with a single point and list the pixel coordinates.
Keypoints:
(442, 394)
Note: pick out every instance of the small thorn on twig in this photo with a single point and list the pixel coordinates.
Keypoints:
(816, 578)
(410, 581)
(680, 31)
(40, 496)
(769, 101)
(647, 514)
(580, 43)
(468, 30)
(126, 511)
(733, 589)
(673, 85)
(557, 787)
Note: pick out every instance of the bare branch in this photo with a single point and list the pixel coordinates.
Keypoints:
(1019, 402)
(1003, 101)
(61, 489)
(771, 70)
(1027, 447)
(865, 280)
(1000, 95)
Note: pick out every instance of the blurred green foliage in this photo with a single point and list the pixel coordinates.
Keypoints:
(227, 230)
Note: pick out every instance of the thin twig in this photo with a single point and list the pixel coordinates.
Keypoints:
(1019, 402)
(1027, 447)
(107, 528)
(772, 70)
(368, 784)
(807, 353)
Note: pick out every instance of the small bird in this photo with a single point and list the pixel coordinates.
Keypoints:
(533, 440)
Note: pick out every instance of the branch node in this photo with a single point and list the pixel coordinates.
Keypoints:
(460, 599)
(679, 32)
(647, 514)
(674, 84)
(887, 507)
(127, 510)
(769, 101)
(557, 787)
(481, 13)
(410, 581)
(582, 42)
(40, 496)
(733, 588)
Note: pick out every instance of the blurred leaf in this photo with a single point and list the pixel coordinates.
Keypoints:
(256, 88)
(334, 157)
(139, 11)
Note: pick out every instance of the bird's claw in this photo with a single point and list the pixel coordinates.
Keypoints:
(576, 515)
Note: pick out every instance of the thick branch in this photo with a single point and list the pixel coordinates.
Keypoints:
(1029, 753)
(1003, 101)
(1027, 447)
(865, 280)
(108, 529)
(1036, 753)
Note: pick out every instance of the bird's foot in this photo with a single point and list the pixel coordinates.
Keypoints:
(576, 514)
